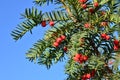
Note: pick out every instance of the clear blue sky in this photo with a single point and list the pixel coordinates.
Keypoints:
(13, 65)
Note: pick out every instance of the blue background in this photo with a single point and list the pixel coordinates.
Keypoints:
(13, 64)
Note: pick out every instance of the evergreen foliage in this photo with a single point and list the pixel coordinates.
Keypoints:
(83, 31)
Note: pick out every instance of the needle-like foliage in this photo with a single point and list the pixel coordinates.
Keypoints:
(82, 32)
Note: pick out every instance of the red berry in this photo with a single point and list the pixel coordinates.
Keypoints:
(81, 60)
(103, 36)
(82, 1)
(88, 76)
(96, 4)
(63, 37)
(83, 77)
(103, 24)
(92, 73)
(84, 6)
(65, 48)
(58, 40)
(77, 57)
(55, 44)
(116, 42)
(51, 23)
(43, 23)
(115, 47)
(91, 10)
(107, 37)
(87, 25)
(85, 58)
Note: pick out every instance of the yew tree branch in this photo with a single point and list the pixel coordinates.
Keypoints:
(68, 11)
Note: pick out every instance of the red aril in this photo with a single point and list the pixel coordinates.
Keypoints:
(59, 40)
(43, 23)
(88, 76)
(85, 58)
(96, 4)
(51, 23)
(103, 36)
(107, 37)
(63, 37)
(116, 42)
(82, 1)
(84, 6)
(55, 44)
(65, 48)
(116, 47)
(91, 10)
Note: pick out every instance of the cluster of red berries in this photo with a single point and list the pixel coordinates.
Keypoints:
(116, 44)
(80, 58)
(88, 75)
(95, 4)
(51, 23)
(59, 40)
(105, 36)
(87, 25)
(84, 5)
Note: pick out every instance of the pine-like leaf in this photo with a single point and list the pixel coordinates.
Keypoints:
(46, 2)
(22, 28)
(33, 18)
(56, 16)
(37, 50)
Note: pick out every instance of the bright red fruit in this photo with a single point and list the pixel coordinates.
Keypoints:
(77, 57)
(96, 4)
(87, 25)
(85, 58)
(84, 6)
(63, 37)
(116, 42)
(107, 37)
(65, 48)
(116, 47)
(43, 23)
(91, 10)
(55, 44)
(103, 24)
(58, 40)
(81, 60)
(103, 36)
(51, 23)
(83, 77)
(92, 73)
(88, 76)
(82, 1)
